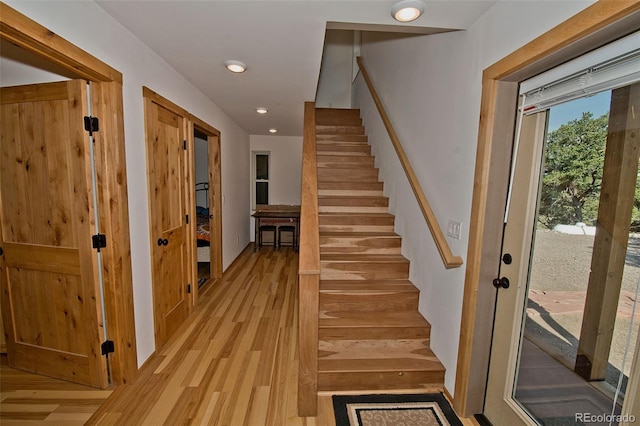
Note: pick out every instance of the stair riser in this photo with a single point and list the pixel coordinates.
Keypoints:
(388, 302)
(363, 271)
(353, 165)
(329, 113)
(339, 121)
(335, 149)
(366, 333)
(356, 228)
(356, 220)
(339, 130)
(354, 202)
(352, 209)
(348, 186)
(369, 159)
(370, 245)
(347, 175)
(345, 381)
(350, 192)
(346, 140)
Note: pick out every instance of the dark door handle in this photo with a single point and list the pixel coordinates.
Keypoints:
(1, 251)
(501, 282)
(159, 241)
(210, 216)
(162, 242)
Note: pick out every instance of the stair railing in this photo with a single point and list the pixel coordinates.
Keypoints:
(308, 272)
(449, 260)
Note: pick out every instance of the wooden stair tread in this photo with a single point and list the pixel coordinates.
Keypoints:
(363, 257)
(352, 234)
(352, 365)
(376, 283)
(349, 319)
(366, 287)
(379, 215)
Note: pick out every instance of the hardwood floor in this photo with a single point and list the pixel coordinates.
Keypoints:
(27, 398)
(234, 362)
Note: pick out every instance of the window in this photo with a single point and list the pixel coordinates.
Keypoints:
(261, 178)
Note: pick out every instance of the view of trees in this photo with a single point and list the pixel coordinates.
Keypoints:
(573, 173)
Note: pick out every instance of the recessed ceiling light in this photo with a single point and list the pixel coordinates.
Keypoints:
(235, 66)
(262, 110)
(273, 130)
(407, 10)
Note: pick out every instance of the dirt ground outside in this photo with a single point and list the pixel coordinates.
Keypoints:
(559, 278)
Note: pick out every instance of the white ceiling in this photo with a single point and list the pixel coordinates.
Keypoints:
(280, 41)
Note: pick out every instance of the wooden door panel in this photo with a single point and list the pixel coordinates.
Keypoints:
(48, 278)
(166, 160)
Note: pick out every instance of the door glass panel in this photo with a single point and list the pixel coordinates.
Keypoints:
(561, 378)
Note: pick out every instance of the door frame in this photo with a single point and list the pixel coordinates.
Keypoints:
(215, 200)
(595, 26)
(107, 104)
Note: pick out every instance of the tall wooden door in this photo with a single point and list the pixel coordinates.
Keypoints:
(50, 300)
(166, 134)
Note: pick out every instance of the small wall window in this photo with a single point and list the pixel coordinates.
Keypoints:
(261, 177)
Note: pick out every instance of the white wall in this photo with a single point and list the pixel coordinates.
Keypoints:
(431, 88)
(334, 83)
(92, 29)
(285, 180)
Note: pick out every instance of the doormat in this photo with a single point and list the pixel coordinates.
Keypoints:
(391, 410)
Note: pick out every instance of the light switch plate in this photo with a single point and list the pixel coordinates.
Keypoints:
(453, 229)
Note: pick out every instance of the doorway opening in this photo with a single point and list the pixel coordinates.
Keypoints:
(202, 206)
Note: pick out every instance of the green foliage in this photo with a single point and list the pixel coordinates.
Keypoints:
(574, 159)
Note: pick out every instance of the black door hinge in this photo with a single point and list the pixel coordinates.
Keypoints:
(187, 218)
(108, 347)
(91, 124)
(184, 145)
(99, 241)
(189, 288)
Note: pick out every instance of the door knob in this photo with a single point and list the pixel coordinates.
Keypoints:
(501, 282)
(159, 241)
(162, 242)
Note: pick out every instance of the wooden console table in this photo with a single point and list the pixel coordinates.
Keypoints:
(267, 212)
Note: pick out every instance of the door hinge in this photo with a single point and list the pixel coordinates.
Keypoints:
(108, 347)
(189, 288)
(184, 145)
(91, 124)
(187, 219)
(99, 241)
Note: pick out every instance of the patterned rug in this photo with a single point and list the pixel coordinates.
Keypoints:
(392, 410)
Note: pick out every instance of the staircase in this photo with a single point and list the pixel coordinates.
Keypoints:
(371, 335)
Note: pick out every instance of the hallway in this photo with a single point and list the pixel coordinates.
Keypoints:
(233, 362)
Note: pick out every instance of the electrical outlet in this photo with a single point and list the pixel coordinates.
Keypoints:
(453, 229)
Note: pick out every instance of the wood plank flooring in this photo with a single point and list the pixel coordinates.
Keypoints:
(234, 362)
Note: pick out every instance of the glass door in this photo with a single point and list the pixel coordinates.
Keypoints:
(566, 324)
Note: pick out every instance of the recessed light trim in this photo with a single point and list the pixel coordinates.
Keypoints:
(262, 110)
(407, 10)
(273, 130)
(235, 66)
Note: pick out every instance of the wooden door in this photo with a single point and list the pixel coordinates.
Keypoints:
(167, 206)
(50, 300)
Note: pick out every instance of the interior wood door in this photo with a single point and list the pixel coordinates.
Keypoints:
(49, 294)
(166, 133)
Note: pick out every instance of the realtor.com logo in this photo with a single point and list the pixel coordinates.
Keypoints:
(604, 418)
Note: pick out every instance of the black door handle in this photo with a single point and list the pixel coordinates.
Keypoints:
(1, 251)
(501, 282)
(159, 241)
(162, 242)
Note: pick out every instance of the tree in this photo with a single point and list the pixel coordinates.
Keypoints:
(574, 159)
